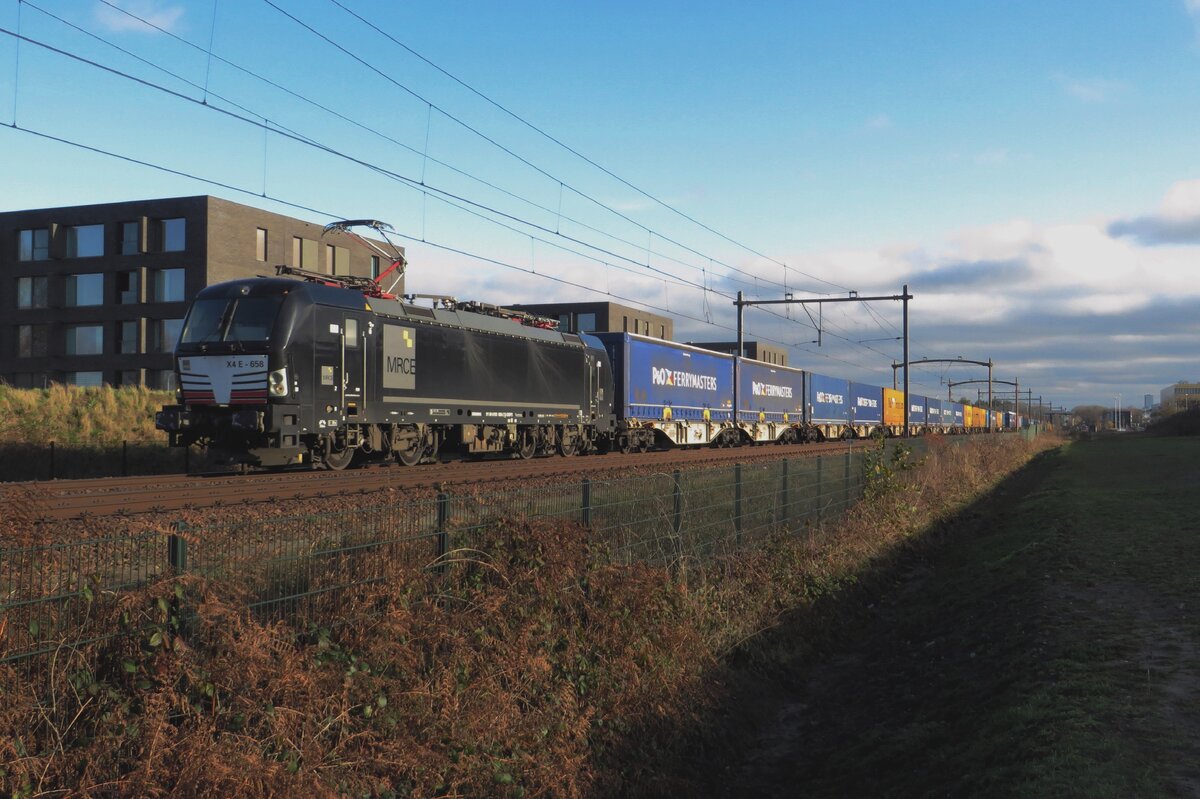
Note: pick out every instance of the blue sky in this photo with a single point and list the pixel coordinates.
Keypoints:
(1027, 168)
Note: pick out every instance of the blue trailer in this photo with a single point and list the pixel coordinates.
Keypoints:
(917, 420)
(771, 400)
(669, 393)
(828, 405)
(866, 409)
(960, 422)
(933, 414)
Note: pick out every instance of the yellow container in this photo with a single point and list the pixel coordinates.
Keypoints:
(893, 408)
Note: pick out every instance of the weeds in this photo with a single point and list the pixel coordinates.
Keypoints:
(536, 665)
(74, 415)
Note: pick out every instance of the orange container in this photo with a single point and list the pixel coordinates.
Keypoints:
(893, 408)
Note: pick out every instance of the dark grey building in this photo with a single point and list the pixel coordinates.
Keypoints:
(755, 350)
(602, 317)
(95, 294)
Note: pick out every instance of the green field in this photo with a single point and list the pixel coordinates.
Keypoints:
(1043, 642)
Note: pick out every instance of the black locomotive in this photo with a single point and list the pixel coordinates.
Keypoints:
(276, 371)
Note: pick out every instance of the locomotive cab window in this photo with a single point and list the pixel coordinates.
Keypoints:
(223, 319)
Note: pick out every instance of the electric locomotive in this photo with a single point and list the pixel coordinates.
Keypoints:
(277, 371)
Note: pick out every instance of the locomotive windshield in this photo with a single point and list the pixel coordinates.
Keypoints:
(231, 319)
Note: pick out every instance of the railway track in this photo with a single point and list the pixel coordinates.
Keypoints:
(57, 500)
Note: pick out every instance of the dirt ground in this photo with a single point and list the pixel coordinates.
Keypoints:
(1042, 643)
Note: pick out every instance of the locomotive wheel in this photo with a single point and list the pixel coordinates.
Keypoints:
(527, 446)
(625, 446)
(412, 455)
(339, 460)
(568, 445)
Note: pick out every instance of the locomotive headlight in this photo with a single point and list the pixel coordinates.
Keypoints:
(277, 383)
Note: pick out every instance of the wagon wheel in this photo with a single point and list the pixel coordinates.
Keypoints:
(337, 460)
(527, 446)
(624, 445)
(412, 455)
(409, 446)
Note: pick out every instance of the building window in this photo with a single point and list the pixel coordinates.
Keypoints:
(163, 334)
(85, 290)
(33, 244)
(85, 241)
(337, 260)
(166, 285)
(84, 378)
(32, 341)
(304, 253)
(85, 339)
(129, 377)
(29, 380)
(161, 379)
(127, 287)
(624, 324)
(31, 292)
(260, 244)
(173, 234)
(585, 323)
(564, 322)
(131, 238)
(662, 331)
(127, 337)
(374, 266)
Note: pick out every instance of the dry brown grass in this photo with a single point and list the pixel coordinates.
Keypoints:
(534, 667)
(68, 414)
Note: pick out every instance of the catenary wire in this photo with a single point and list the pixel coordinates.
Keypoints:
(404, 179)
(542, 132)
(360, 125)
(477, 210)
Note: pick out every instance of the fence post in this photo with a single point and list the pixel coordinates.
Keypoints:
(177, 557)
(783, 498)
(443, 521)
(677, 518)
(586, 515)
(820, 491)
(846, 480)
(124, 458)
(177, 549)
(51, 460)
(737, 502)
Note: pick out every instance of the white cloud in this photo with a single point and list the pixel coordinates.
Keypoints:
(1182, 199)
(157, 14)
(1092, 90)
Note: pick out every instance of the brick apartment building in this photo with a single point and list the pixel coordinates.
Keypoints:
(94, 294)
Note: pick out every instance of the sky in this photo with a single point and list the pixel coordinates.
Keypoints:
(1029, 170)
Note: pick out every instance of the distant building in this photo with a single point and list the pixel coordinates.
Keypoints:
(601, 317)
(1180, 396)
(1147, 402)
(96, 294)
(754, 350)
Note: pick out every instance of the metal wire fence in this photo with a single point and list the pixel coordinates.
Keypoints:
(59, 460)
(300, 567)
